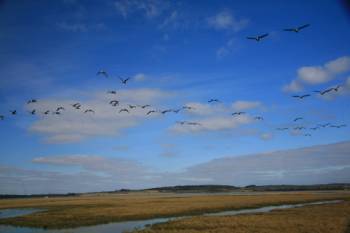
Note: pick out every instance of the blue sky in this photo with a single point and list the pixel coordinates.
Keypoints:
(177, 53)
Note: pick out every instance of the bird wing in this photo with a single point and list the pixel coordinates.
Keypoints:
(303, 26)
(289, 29)
(251, 38)
(264, 35)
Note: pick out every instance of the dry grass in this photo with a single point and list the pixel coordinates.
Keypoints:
(91, 210)
(332, 218)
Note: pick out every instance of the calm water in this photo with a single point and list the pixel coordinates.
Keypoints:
(9, 213)
(131, 225)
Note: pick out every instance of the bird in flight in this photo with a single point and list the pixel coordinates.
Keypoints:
(338, 126)
(102, 72)
(213, 100)
(298, 118)
(124, 110)
(13, 112)
(114, 103)
(237, 113)
(124, 80)
(299, 127)
(2, 117)
(193, 123)
(181, 122)
(76, 105)
(324, 92)
(33, 112)
(297, 29)
(32, 101)
(176, 110)
(259, 118)
(166, 111)
(257, 38)
(282, 128)
(89, 110)
(301, 96)
(324, 125)
(59, 109)
(132, 106)
(151, 111)
(187, 107)
(145, 106)
(314, 128)
(47, 112)
(112, 92)
(307, 135)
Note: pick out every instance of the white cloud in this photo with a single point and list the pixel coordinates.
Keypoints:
(150, 8)
(314, 75)
(140, 77)
(73, 125)
(241, 105)
(225, 20)
(215, 123)
(266, 136)
(226, 49)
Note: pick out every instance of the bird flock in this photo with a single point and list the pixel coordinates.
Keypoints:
(149, 110)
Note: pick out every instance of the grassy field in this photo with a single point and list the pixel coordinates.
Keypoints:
(92, 210)
(330, 218)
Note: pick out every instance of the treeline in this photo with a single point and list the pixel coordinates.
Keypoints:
(2, 196)
(316, 187)
(196, 188)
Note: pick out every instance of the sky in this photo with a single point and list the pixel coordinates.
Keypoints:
(176, 53)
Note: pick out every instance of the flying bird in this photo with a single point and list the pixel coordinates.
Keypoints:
(338, 126)
(102, 72)
(114, 102)
(177, 110)
(151, 111)
(124, 110)
(301, 96)
(57, 113)
(112, 92)
(33, 112)
(145, 106)
(213, 100)
(259, 118)
(32, 101)
(307, 135)
(76, 105)
(297, 29)
(257, 38)
(13, 112)
(132, 106)
(60, 108)
(237, 113)
(124, 80)
(187, 107)
(298, 118)
(47, 112)
(89, 110)
(166, 111)
(282, 128)
(324, 125)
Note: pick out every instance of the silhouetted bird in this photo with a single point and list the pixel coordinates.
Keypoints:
(257, 38)
(187, 107)
(297, 29)
(307, 135)
(237, 113)
(112, 92)
(145, 106)
(33, 112)
(124, 110)
(114, 102)
(59, 109)
(57, 113)
(338, 126)
(301, 96)
(132, 106)
(102, 72)
(124, 80)
(166, 111)
(324, 125)
(13, 112)
(152, 111)
(282, 128)
(47, 112)
(89, 110)
(32, 101)
(298, 118)
(213, 100)
(76, 105)
(259, 118)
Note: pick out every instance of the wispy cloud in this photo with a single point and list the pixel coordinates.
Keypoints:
(314, 75)
(246, 105)
(149, 8)
(225, 20)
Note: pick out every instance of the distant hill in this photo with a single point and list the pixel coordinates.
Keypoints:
(316, 187)
(196, 188)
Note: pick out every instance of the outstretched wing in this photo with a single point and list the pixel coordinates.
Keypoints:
(303, 26)
(289, 29)
(263, 36)
(251, 38)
